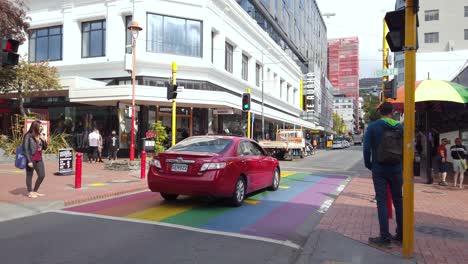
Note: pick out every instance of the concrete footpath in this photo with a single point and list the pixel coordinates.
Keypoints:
(441, 221)
(97, 183)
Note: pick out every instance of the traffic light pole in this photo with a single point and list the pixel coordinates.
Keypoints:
(384, 58)
(408, 137)
(174, 106)
(132, 128)
(248, 120)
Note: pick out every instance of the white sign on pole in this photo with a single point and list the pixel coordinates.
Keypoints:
(386, 72)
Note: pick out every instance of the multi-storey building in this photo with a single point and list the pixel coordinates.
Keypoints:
(220, 51)
(343, 68)
(344, 107)
(442, 28)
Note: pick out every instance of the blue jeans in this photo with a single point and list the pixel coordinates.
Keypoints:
(380, 185)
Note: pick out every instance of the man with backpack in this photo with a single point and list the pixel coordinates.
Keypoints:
(383, 155)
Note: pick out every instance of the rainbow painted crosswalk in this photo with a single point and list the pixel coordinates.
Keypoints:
(273, 215)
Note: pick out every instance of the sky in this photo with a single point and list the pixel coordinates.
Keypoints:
(362, 18)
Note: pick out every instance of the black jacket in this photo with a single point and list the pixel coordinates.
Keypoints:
(30, 146)
(113, 142)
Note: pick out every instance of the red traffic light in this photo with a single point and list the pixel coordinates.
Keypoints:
(10, 45)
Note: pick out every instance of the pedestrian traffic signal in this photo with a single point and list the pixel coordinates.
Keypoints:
(171, 91)
(9, 49)
(246, 102)
(390, 90)
(395, 21)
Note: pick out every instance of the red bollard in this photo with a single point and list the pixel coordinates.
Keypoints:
(79, 165)
(143, 165)
(389, 202)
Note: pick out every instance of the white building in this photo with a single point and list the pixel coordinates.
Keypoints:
(344, 107)
(220, 50)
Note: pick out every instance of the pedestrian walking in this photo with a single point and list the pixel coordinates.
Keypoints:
(93, 139)
(34, 142)
(458, 152)
(383, 155)
(100, 146)
(113, 145)
(443, 165)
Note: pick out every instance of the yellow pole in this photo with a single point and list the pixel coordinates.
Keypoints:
(408, 152)
(248, 119)
(174, 106)
(301, 94)
(385, 52)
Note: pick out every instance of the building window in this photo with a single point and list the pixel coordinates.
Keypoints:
(430, 15)
(466, 11)
(258, 69)
(228, 56)
(431, 37)
(128, 35)
(93, 38)
(45, 44)
(174, 35)
(466, 34)
(245, 67)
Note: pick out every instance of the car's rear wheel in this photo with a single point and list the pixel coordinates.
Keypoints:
(239, 192)
(276, 180)
(169, 196)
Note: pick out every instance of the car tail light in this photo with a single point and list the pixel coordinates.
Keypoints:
(156, 163)
(213, 166)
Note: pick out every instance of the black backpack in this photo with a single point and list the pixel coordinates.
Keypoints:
(390, 150)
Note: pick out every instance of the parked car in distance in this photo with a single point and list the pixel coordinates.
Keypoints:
(357, 139)
(216, 166)
(338, 144)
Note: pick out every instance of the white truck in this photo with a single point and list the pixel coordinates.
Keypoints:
(357, 139)
(288, 143)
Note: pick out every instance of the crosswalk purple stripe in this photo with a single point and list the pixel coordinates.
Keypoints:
(281, 222)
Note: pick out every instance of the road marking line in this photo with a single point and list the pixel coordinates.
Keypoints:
(160, 212)
(97, 184)
(285, 174)
(325, 205)
(283, 187)
(252, 201)
(286, 243)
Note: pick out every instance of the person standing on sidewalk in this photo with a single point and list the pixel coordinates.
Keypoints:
(443, 165)
(34, 142)
(93, 139)
(113, 145)
(458, 152)
(382, 139)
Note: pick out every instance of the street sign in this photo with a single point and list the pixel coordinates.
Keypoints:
(65, 159)
(386, 72)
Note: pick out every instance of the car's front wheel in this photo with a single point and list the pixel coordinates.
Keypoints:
(239, 192)
(276, 180)
(169, 196)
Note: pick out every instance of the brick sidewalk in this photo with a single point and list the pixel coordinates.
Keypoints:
(97, 183)
(441, 219)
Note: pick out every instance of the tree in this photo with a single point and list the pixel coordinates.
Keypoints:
(339, 125)
(13, 20)
(28, 79)
(160, 135)
(370, 108)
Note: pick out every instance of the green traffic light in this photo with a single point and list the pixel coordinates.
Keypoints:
(246, 106)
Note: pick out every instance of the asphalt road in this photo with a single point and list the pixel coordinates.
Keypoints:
(271, 227)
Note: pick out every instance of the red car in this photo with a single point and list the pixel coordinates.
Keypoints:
(219, 166)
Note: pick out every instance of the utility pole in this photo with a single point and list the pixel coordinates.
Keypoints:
(248, 119)
(263, 100)
(174, 106)
(411, 10)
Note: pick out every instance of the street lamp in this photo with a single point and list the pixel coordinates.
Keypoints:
(135, 28)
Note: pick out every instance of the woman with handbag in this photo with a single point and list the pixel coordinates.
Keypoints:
(34, 142)
(458, 152)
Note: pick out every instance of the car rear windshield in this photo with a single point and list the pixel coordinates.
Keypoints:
(203, 144)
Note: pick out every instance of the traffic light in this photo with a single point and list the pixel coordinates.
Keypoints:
(390, 89)
(395, 21)
(246, 102)
(171, 91)
(9, 49)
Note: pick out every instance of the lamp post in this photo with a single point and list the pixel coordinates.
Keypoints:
(135, 28)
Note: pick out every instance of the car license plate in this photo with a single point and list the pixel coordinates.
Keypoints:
(179, 167)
